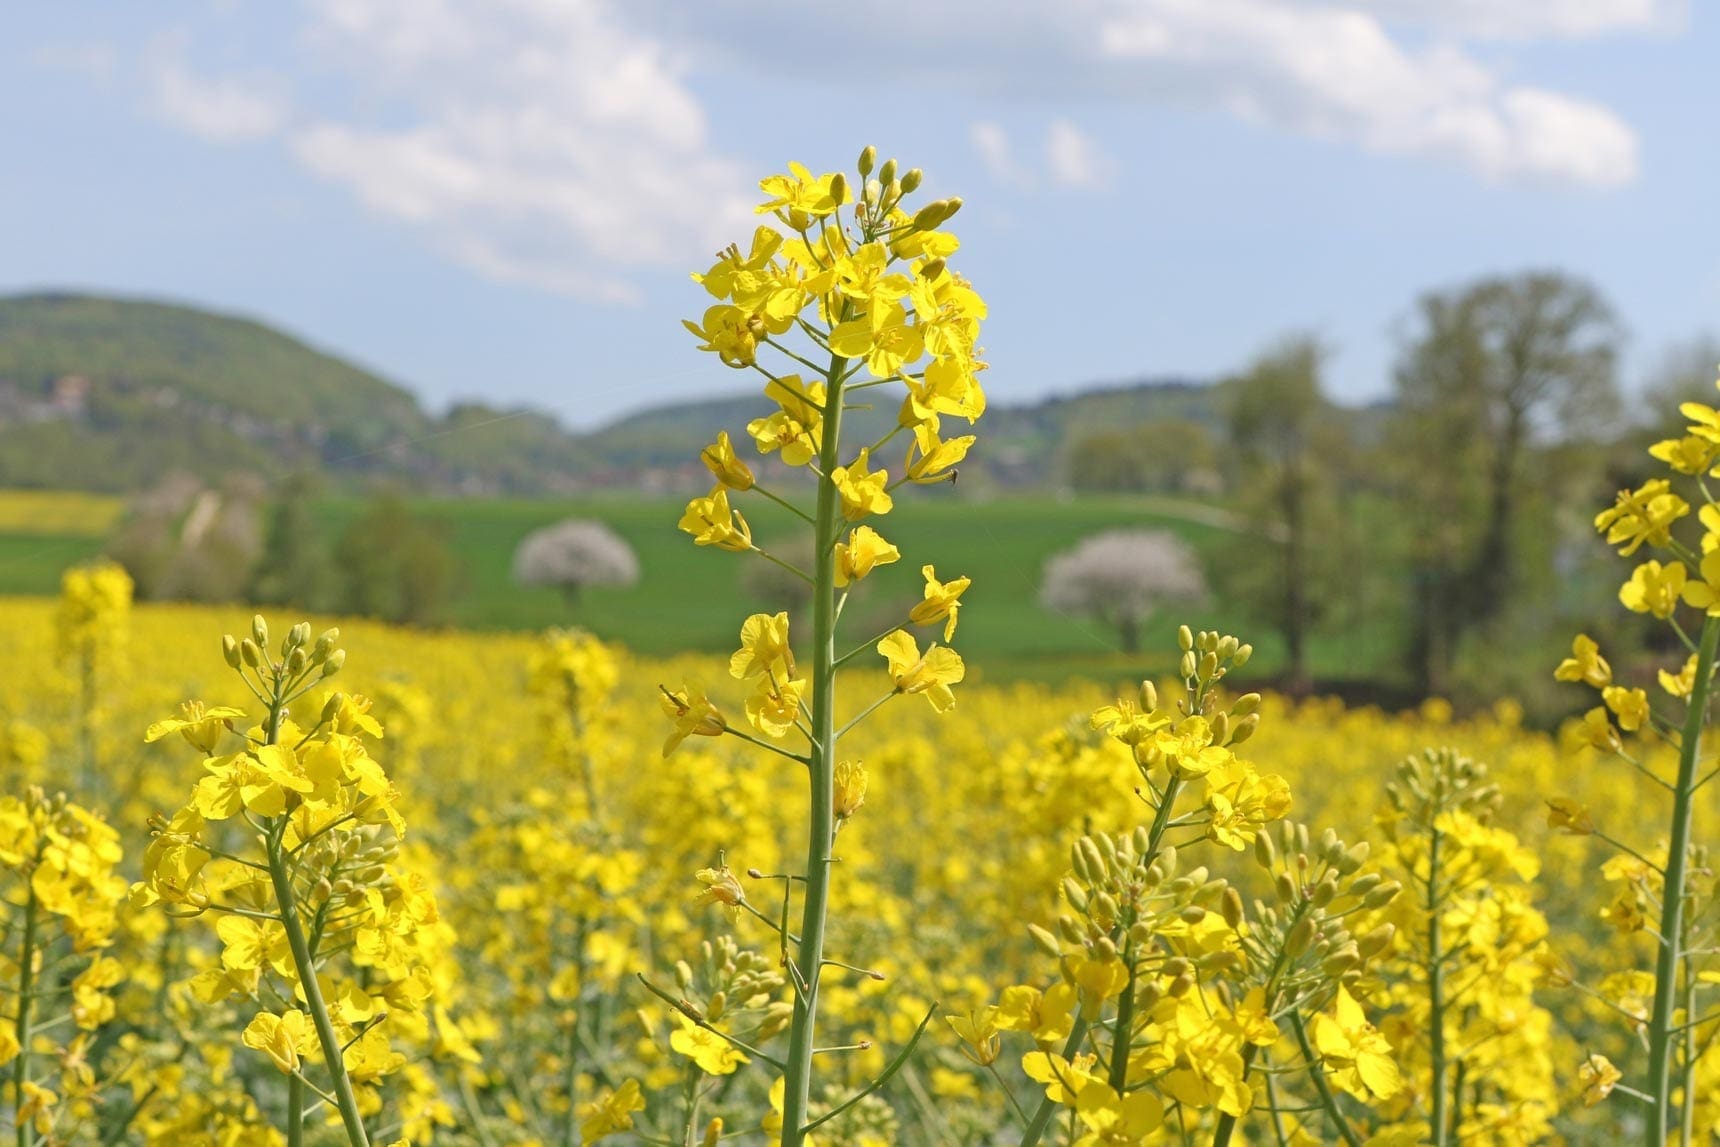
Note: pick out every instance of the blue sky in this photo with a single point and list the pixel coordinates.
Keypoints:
(501, 198)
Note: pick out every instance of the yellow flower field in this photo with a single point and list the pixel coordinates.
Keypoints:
(563, 850)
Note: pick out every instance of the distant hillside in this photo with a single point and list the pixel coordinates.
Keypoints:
(149, 388)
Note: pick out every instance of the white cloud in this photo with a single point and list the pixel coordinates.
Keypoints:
(1385, 76)
(1533, 19)
(1074, 159)
(220, 109)
(992, 143)
(536, 141)
(1335, 72)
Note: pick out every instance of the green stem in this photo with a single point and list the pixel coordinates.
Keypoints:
(1123, 1033)
(295, 1111)
(305, 964)
(1043, 1114)
(26, 1006)
(1435, 993)
(821, 819)
(1317, 1073)
(1666, 986)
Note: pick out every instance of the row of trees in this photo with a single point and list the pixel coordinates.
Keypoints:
(1505, 420)
(184, 541)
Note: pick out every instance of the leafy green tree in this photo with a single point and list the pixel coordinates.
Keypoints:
(1496, 374)
(294, 567)
(1286, 441)
(394, 565)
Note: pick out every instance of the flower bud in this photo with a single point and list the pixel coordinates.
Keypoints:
(1326, 891)
(251, 654)
(333, 664)
(1285, 888)
(1300, 937)
(1245, 728)
(1382, 895)
(259, 630)
(230, 651)
(1264, 851)
(1180, 986)
(1074, 893)
(1186, 666)
(838, 187)
(1354, 858)
(1104, 949)
(1208, 665)
(716, 1005)
(932, 269)
(1231, 906)
(868, 158)
(713, 1133)
(683, 974)
(1365, 883)
(887, 173)
(1243, 653)
(1226, 647)
(1375, 942)
(1245, 704)
(911, 180)
(1185, 638)
(298, 634)
(1045, 940)
(296, 660)
(1149, 697)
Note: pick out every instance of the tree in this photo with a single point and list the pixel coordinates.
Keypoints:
(1285, 439)
(395, 566)
(294, 566)
(1493, 372)
(574, 555)
(1120, 577)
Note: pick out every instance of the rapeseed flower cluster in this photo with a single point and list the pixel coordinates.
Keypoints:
(846, 291)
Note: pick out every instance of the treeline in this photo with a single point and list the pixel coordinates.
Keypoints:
(243, 541)
(1459, 516)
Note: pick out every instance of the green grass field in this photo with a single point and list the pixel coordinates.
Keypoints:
(691, 598)
(694, 599)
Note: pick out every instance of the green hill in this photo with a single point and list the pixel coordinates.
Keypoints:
(151, 388)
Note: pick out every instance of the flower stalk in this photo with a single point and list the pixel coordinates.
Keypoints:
(1670, 954)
